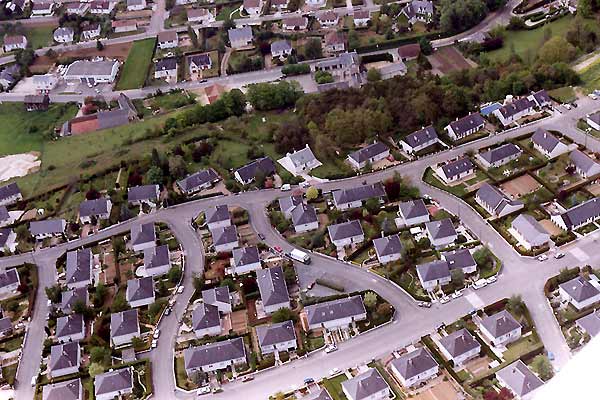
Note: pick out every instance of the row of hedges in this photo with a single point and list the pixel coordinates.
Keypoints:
(552, 284)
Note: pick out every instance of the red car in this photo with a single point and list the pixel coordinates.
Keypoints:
(278, 249)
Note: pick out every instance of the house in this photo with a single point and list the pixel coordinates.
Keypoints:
(91, 72)
(217, 217)
(225, 239)
(280, 5)
(63, 34)
(459, 347)
(287, 204)
(540, 98)
(198, 181)
(547, 144)
(214, 356)
(368, 385)
(335, 314)
(124, 25)
(418, 11)
(261, 167)
(273, 289)
(593, 120)
(199, 62)
(499, 156)
(8, 240)
(346, 233)
(5, 218)
(143, 236)
(65, 390)
(201, 16)
(295, 24)
(168, 40)
(511, 112)
(388, 248)
(14, 7)
(345, 67)
(304, 218)
(218, 297)
(244, 260)
(584, 165)
(111, 384)
(579, 292)
(240, 37)
(14, 42)
(10, 194)
(496, 203)
(136, 5)
(140, 292)
(441, 233)
(70, 328)
(303, 161)
(9, 281)
(460, 259)
(91, 31)
(42, 9)
(413, 212)
(276, 337)
(578, 216)
(589, 324)
(45, 83)
(409, 52)
(102, 7)
(414, 368)
(361, 18)
(370, 154)
(466, 126)
(9, 76)
(500, 328)
(529, 232)
(78, 8)
(253, 7)
(328, 18)
(335, 42)
(456, 170)
(354, 197)
(6, 327)
(318, 394)
(166, 68)
(315, 3)
(124, 326)
(64, 359)
(519, 380)
(98, 209)
(206, 321)
(145, 194)
(36, 102)
(434, 274)
(48, 228)
(419, 140)
(281, 49)
(79, 268)
(157, 261)
(70, 297)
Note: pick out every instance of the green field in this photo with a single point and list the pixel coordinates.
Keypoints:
(590, 76)
(563, 95)
(137, 64)
(39, 37)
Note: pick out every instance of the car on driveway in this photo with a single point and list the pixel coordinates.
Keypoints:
(479, 284)
(457, 294)
(156, 333)
(278, 249)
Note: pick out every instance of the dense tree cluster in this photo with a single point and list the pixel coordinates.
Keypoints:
(265, 96)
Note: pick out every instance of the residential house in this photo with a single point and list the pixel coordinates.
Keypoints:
(529, 232)
(206, 321)
(45, 83)
(225, 239)
(354, 197)
(280, 5)
(102, 7)
(14, 42)
(240, 37)
(70, 328)
(584, 165)
(548, 144)
(414, 367)
(273, 289)
(9, 282)
(199, 62)
(345, 67)
(115, 383)
(65, 390)
(287, 204)
(413, 212)
(6, 327)
(47, 228)
(318, 394)
(91, 31)
(218, 297)
(541, 98)
(589, 324)
(295, 23)
(214, 356)
(124, 326)
(9, 76)
(261, 167)
(64, 359)
(276, 337)
(368, 385)
(91, 72)
(124, 25)
(201, 16)
(98, 209)
(409, 52)
(593, 120)
(388, 248)
(335, 42)
(78, 8)
(519, 380)
(281, 49)
(36, 102)
(8, 240)
(441, 233)
(335, 314)
(217, 217)
(578, 216)
(456, 170)
(418, 11)
(500, 156)
(433, 274)
(315, 3)
(136, 5)
(465, 126)
(245, 260)
(368, 155)
(42, 9)
(63, 34)
(515, 110)
(419, 140)
(198, 181)
(304, 218)
(253, 7)
(361, 18)
(157, 261)
(5, 218)
(70, 297)
(346, 233)
(79, 268)
(328, 18)
(143, 236)
(166, 68)
(145, 194)
(580, 292)
(140, 292)
(459, 347)
(303, 161)
(15, 7)
(460, 259)
(168, 40)
(501, 328)
(496, 203)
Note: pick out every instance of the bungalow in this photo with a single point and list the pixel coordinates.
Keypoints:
(578, 216)
(465, 126)
(540, 98)
(513, 111)
(368, 155)
(281, 49)
(198, 181)
(70, 297)
(441, 233)
(529, 232)
(433, 274)
(42, 9)
(459, 347)
(206, 321)
(65, 390)
(79, 268)
(328, 18)
(253, 7)
(414, 368)
(593, 120)
(413, 212)
(70, 328)
(8, 240)
(346, 233)
(124, 326)
(240, 37)
(36, 102)
(111, 384)
(91, 72)
(102, 7)
(225, 239)
(98, 209)
(318, 394)
(499, 156)
(41, 230)
(245, 260)
(9, 76)
(361, 18)
(388, 248)
(460, 259)
(199, 62)
(519, 380)
(304, 218)
(456, 170)
(419, 140)
(295, 24)
(146, 194)
(354, 197)
(14, 42)
(584, 164)
(418, 10)
(302, 161)
(136, 5)
(124, 25)
(547, 144)
(501, 328)
(91, 31)
(168, 40)
(143, 236)
(45, 83)
(218, 297)
(263, 167)
(214, 356)
(273, 289)
(217, 217)
(590, 324)
(276, 337)
(157, 261)
(140, 292)
(368, 385)
(201, 16)
(64, 359)
(495, 202)
(579, 292)
(9, 282)
(335, 42)
(335, 314)
(287, 204)
(166, 68)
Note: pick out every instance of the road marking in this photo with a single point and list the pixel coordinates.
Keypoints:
(475, 300)
(579, 254)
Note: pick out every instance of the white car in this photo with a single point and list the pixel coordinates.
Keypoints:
(479, 284)
(156, 333)
(304, 184)
(593, 96)
(492, 279)
(445, 300)
(180, 289)
(457, 294)
(154, 343)
(203, 390)
(543, 257)
(286, 187)
(334, 372)
(567, 106)
(330, 348)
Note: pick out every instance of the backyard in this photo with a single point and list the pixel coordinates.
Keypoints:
(40, 36)
(334, 386)
(137, 64)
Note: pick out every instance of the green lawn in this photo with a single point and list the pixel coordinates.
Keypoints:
(334, 386)
(39, 37)
(563, 95)
(137, 64)
(590, 76)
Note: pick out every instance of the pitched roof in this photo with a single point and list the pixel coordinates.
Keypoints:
(199, 59)
(303, 214)
(113, 381)
(335, 309)
(245, 256)
(264, 165)
(9, 190)
(519, 105)
(70, 297)
(464, 124)
(94, 207)
(5, 324)
(321, 394)
(358, 193)
(590, 323)
(143, 233)
(295, 21)
(461, 258)
(280, 46)
(276, 333)
(205, 316)
(156, 257)
(216, 295)
(334, 38)
(124, 323)
(579, 289)
(8, 277)
(302, 157)
(368, 152)
(495, 199)
(413, 208)
(217, 214)
(78, 267)
(167, 36)
(584, 163)
(459, 342)
(441, 229)
(272, 286)
(519, 378)
(198, 179)
(69, 325)
(140, 289)
(578, 214)
(345, 230)
(140, 193)
(65, 355)
(433, 271)
(14, 39)
(545, 140)
(457, 167)
(288, 203)
(421, 136)
(541, 97)
(4, 236)
(500, 153)
(47, 226)
(500, 324)
(225, 235)
(529, 228)
(213, 353)
(65, 390)
(244, 33)
(388, 245)
(328, 15)
(113, 118)
(414, 363)
(364, 385)
(165, 64)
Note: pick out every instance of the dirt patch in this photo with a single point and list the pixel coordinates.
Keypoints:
(216, 270)
(247, 235)
(239, 322)
(520, 186)
(550, 227)
(594, 189)
(478, 366)
(17, 165)
(442, 391)
(118, 51)
(252, 319)
(448, 59)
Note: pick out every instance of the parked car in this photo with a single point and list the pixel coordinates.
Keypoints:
(278, 249)
(156, 333)
(154, 343)
(334, 371)
(308, 381)
(286, 187)
(180, 289)
(445, 300)
(168, 311)
(559, 255)
(543, 257)
(330, 348)
(492, 279)
(247, 378)
(593, 96)
(203, 390)
(424, 304)
(479, 284)
(457, 294)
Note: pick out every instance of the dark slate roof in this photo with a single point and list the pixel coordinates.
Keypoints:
(321, 394)
(245, 256)
(459, 342)
(71, 296)
(69, 325)
(459, 259)
(590, 323)
(143, 233)
(156, 257)
(335, 309)
(140, 289)
(9, 277)
(213, 353)
(456, 167)
(93, 207)
(388, 245)
(494, 198)
(287, 203)
(517, 106)
(165, 64)
(217, 214)
(4, 215)
(500, 153)
(303, 214)
(582, 212)
(421, 136)
(140, 193)
(249, 171)
(433, 270)
(112, 118)
(216, 295)
(225, 235)
(272, 286)
(365, 385)
(198, 179)
(541, 97)
(519, 378)
(583, 162)
(545, 139)
(368, 152)
(414, 363)
(124, 323)
(580, 289)
(118, 380)
(5, 324)
(205, 316)
(280, 46)
(66, 390)
(413, 208)
(79, 266)
(595, 117)
(441, 229)
(467, 123)
(244, 33)
(500, 324)
(65, 355)
(4, 234)
(345, 230)
(47, 226)
(363, 192)
(276, 333)
(199, 59)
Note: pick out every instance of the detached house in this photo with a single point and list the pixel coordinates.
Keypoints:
(217, 217)
(459, 347)
(240, 37)
(501, 328)
(433, 274)
(64, 359)
(328, 18)
(519, 380)
(456, 170)
(578, 216)
(8, 240)
(199, 62)
(287, 204)
(418, 10)
(345, 199)
(366, 386)
(335, 42)
(304, 218)
(590, 324)
(65, 390)
(460, 259)
(47, 228)
(225, 239)
(579, 292)
(335, 314)
(70, 328)
(413, 212)
(14, 42)
(206, 321)
(512, 112)
(124, 25)
(361, 18)
(370, 154)
(94, 209)
(584, 165)
(593, 120)
(465, 126)
(280, 5)
(529, 232)
(166, 68)
(113, 384)
(245, 260)
(91, 31)
(70, 297)
(201, 16)
(500, 156)
(157, 261)
(276, 337)
(218, 297)
(45, 83)
(42, 9)
(273, 289)
(168, 40)
(247, 174)
(214, 356)
(124, 326)
(140, 292)
(295, 24)
(346, 233)
(541, 98)
(388, 248)
(102, 7)
(79, 269)
(414, 368)
(281, 49)
(9, 282)
(63, 35)
(253, 7)
(419, 140)
(495, 202)
(143, 236)
(136, 5)
(199, 181)
(441, 233)
(10, 194)
(547, 144)
(146, 194)
(302, 161)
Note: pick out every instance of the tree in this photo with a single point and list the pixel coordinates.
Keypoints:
(100, 355)
(193, 36)
(458, 277)
(313, 49)
(95, 369)
(312, 193)
(461, 15)
(53, 293)
(372, 205)
(515, 305)
(370, 300)
(373, 75)
(174, 274)
(154, 175)
(268, 96)
(425, 45)
(318, 240)
(155, 308)
(483, 258)
(99, 45)
(283, 314)
(542, 366)
(100, 295)
(119, 304)
(556, 50)
(137, 342)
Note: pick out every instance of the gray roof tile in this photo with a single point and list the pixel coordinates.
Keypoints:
(414, 363)
(205, 316)
(459, 342)
(365, 385)
(345, 230)
(519, 378)
(196, 357)
(335, 309)
(124, 323)
(580, 289)
(500, 324)
(272, 286)
(276, 333)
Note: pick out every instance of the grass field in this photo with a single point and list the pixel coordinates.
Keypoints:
(590, 77)
(563, 95)
(334, 386)
(137, 64)
(39, 37)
